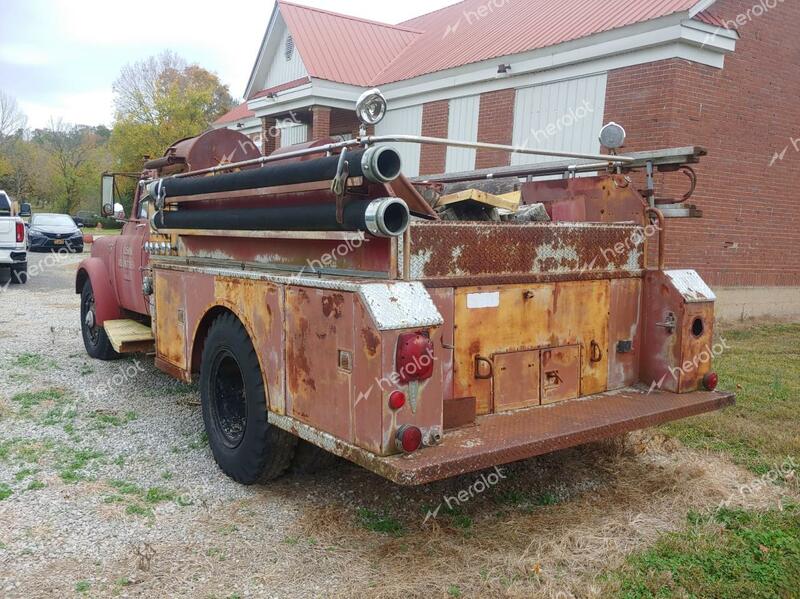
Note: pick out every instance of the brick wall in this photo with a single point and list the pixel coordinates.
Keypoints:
(320, 122)
(743, 114)
(433, 159)
(495, 125)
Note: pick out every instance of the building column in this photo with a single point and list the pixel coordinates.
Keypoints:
(270, 135)
(435, 123)
(495, 125)
(320, 122)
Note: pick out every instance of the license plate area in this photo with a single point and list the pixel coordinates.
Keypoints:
(58, 242)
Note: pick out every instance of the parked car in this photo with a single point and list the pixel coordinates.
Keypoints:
(13, 241)
(54, 232)
(86, 218)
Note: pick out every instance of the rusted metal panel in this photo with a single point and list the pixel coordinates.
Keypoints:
(624, 338)
(371, 255)
(696, 345)
(560, 374)
(675, 355)
(171, 336)
(319, 324)
(499, 319)
(443, 299)
(511, 436)
(367, 408)
(477, 251)
(458, 412)
(604, 199)
(516, 380)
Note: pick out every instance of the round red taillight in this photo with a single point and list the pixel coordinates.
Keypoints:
(710, 381)
(408, 438)
(397, 399)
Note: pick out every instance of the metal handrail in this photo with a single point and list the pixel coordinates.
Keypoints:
(373, 139)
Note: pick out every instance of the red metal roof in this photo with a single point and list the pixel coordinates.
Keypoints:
(342, 48)
(238, 113)
(355, 51)
(474, 30)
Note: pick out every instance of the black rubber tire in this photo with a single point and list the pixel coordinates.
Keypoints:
(259, 451)
(19, 274)
(95, 340)
(309, 459)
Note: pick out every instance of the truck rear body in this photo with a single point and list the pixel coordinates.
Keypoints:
(450, 347)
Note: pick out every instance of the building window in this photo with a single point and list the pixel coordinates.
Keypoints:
(289, 50)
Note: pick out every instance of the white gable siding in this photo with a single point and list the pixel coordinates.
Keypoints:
(565, 115)
(463, 126)
(281, 70)
(404, 121)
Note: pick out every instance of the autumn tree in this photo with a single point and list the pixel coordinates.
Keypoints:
(159, 101)
(74, 157)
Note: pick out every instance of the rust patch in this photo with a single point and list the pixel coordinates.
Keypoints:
(332, 304)
(371, 341)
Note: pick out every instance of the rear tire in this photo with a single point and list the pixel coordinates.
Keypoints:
(245, 446)
(19, 274)
(95, 340)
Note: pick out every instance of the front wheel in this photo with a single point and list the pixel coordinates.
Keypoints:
(245, 446)
(95, 340)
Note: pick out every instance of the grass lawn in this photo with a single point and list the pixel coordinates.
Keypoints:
(762, 367)
(736, 553)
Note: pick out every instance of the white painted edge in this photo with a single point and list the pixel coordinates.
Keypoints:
(691, 286)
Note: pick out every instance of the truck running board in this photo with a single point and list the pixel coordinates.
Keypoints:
(129, 336)
(507, 437)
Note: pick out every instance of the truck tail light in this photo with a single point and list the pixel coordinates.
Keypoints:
(397, 399)
(710, 381)
(414, 361)
(408, 438)
(20, 232)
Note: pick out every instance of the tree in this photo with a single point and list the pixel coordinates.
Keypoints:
(159, 101)
(12, 118)
(75, 157)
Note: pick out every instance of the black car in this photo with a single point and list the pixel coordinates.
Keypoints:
(54, 232)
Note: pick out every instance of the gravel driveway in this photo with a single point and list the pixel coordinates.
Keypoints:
(108, 488)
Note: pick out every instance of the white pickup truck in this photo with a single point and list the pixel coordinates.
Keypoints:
(13, 241)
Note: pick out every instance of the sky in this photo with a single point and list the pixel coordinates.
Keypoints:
(59, 58)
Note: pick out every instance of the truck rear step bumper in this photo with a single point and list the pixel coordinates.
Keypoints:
(511, 436)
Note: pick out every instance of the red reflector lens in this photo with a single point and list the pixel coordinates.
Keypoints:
(397, 399)
(409, 438)
(710, 381)
(20, 232)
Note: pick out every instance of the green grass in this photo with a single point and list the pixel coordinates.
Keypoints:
(739, 554)
(30, 399)
(735, 553)
(5, 491)
(762, 367)
(82, 586)
(377, 522)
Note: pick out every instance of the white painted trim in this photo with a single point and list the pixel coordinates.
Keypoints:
(261, 51)
(700, 7)
(659, 39)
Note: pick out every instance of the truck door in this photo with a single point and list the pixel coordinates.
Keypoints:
(131, 259)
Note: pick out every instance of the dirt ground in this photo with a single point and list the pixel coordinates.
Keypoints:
(108, 488)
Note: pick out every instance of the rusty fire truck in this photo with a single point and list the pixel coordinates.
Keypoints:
(424, 328)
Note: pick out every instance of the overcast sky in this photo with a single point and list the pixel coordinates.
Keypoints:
(60, 57)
